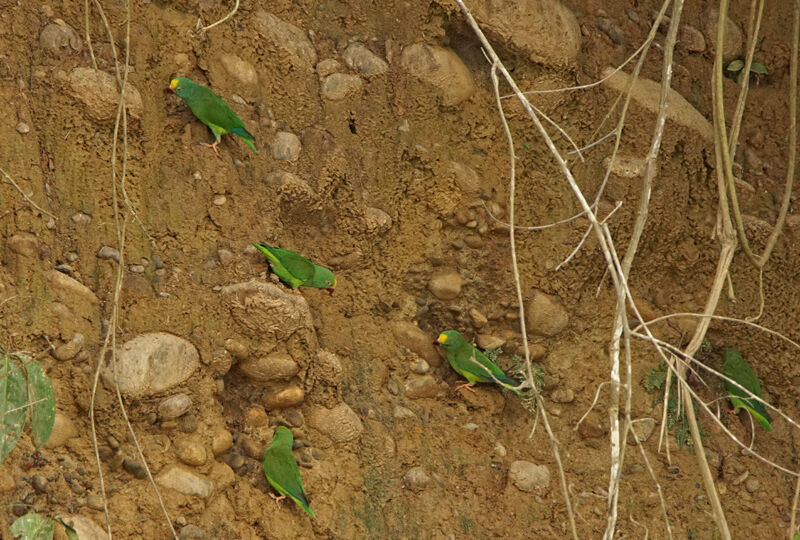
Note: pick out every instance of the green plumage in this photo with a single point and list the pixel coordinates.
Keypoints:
(281, 469)
(735, 367)
(210, 109)
(295, 270)
(471, 363)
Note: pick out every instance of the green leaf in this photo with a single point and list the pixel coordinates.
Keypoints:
(13, 398)
(33, 527)
(736, 65)
(757, 67)
(43, 408)
(655, 378)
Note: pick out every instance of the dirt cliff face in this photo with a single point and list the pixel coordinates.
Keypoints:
(381, 156)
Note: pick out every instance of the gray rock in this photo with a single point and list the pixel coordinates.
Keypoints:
(174, 406)
(645, 93)
(420, 367)
(108, 252)
(79, 218)
(359, 58)
(488, 341)
(286, 146)
(465, 178)
(416, 479)
(445, 284)
(562, 395)
(644, 428)
(442, 69)
(134, 468)
(241, 70)
(528, 477)
(70, 349)
(421, 387)
(612, 30)
(545, 315)
(338, 86)
(691, 39)
(734, 38)
(500, 450)
(378, 221)
(99, 92)
(70, 291)
(94, 501)
(185, 481)
(294, 417)
(544, 30)
(39, 483)
(479, 320)
(341, 424)
(23, 128)
(470, 426)
(191, 532)
(85, 528)
(288, 37)
(274, 367)
(752, 485)
(403, 412)
(327, 66)
(24, 243)
(417, 341)
(225, 256)
(151, 363)
(59, 38)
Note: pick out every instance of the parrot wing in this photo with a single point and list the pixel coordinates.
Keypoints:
(736, 368)
(283, 474)
(471, 360)
(213, 111)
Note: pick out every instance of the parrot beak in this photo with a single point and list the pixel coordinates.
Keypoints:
(437, 342)
(330, 290)
(169, 90)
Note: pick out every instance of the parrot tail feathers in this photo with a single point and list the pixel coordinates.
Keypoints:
(246, 137)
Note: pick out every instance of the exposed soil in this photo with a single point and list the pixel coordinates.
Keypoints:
(390, 146)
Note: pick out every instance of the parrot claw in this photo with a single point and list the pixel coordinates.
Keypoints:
(468, 386)
(276, 498)
(212, 146)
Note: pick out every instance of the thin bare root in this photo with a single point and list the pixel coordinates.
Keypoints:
(24, 196)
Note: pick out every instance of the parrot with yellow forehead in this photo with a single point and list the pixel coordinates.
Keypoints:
(471, 363)
(210, 109)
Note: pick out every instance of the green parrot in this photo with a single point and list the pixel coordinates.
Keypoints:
(281, 469)
(734, 367)
(297, 271)
(209, 108)
(472, 363)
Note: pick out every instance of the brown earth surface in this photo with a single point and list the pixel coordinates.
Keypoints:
(401, 157)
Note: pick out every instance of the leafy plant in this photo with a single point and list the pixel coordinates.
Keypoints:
(737, 66)
(23, 387)
(38, 527)
(654, 381)
(33, 527)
